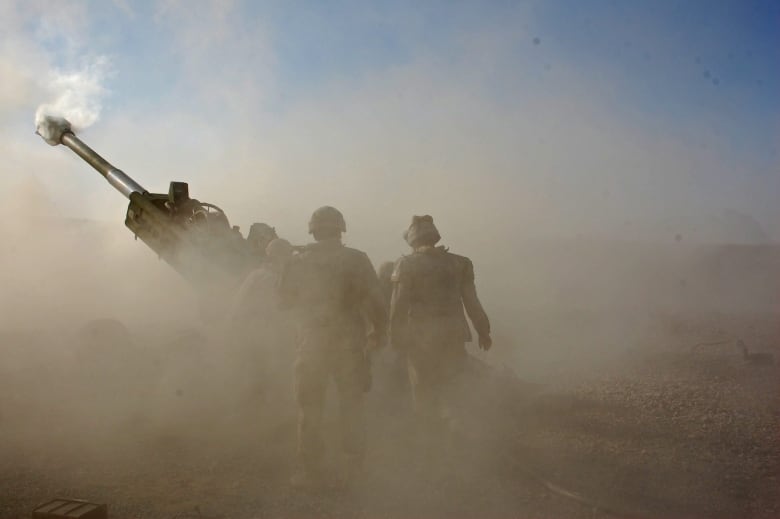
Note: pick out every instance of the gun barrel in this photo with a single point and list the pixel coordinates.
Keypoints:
(116, 177)
(56, 130)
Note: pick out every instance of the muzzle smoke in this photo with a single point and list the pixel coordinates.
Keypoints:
(77, 96)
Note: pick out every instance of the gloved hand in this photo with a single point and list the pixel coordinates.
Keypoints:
(485, 342)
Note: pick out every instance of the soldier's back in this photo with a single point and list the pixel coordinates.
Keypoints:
(434, 277)
(326, 282)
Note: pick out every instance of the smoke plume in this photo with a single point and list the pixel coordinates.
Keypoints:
(77, 95)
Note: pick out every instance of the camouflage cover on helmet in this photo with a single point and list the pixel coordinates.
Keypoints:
(261, 232)
(422, 230)
(327, 217)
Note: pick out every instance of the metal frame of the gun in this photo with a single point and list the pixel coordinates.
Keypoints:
(161, 236)
(153, 224)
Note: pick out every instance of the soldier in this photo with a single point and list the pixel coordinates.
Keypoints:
(333, 290)
(260, 235)
(260, 333)
(431, 288)
(252, 299)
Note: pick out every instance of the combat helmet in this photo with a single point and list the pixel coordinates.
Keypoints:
(260, 234)
(327, 217)
(422, 229)
(279, 248)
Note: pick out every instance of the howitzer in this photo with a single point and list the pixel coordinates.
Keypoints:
(194, 237)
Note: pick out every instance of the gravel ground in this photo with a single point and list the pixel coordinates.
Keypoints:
(654, 435)
(671, 435)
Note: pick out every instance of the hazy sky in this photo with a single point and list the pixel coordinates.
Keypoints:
(622, 119)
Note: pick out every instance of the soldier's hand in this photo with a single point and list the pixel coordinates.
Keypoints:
(485, 342)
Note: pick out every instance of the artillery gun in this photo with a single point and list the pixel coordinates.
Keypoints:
(193, 237)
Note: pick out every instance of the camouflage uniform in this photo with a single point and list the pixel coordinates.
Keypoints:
(260, 334)
(432, 288)
(259, 237)
(332, 289)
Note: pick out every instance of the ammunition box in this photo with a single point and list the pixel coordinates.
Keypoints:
(70, 509)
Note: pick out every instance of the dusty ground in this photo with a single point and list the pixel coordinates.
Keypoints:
(663, 434)
(676, 435)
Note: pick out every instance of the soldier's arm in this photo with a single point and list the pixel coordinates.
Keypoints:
(399, 308)
(471, 302)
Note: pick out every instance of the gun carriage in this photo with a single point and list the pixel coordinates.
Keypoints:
(194, 237)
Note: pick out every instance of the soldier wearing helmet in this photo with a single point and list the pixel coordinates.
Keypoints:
(251, 302)
(260, 335)
(332, 290)
(432, 287)
(260, 235)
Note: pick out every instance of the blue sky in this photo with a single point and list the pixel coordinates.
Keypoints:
(691, 83)
(670, 58)
(717, 61)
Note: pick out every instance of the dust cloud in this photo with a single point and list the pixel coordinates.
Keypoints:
(112, 362)
(118, 380)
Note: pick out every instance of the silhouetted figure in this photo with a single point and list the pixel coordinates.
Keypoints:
(432, 289)
(332, 290)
